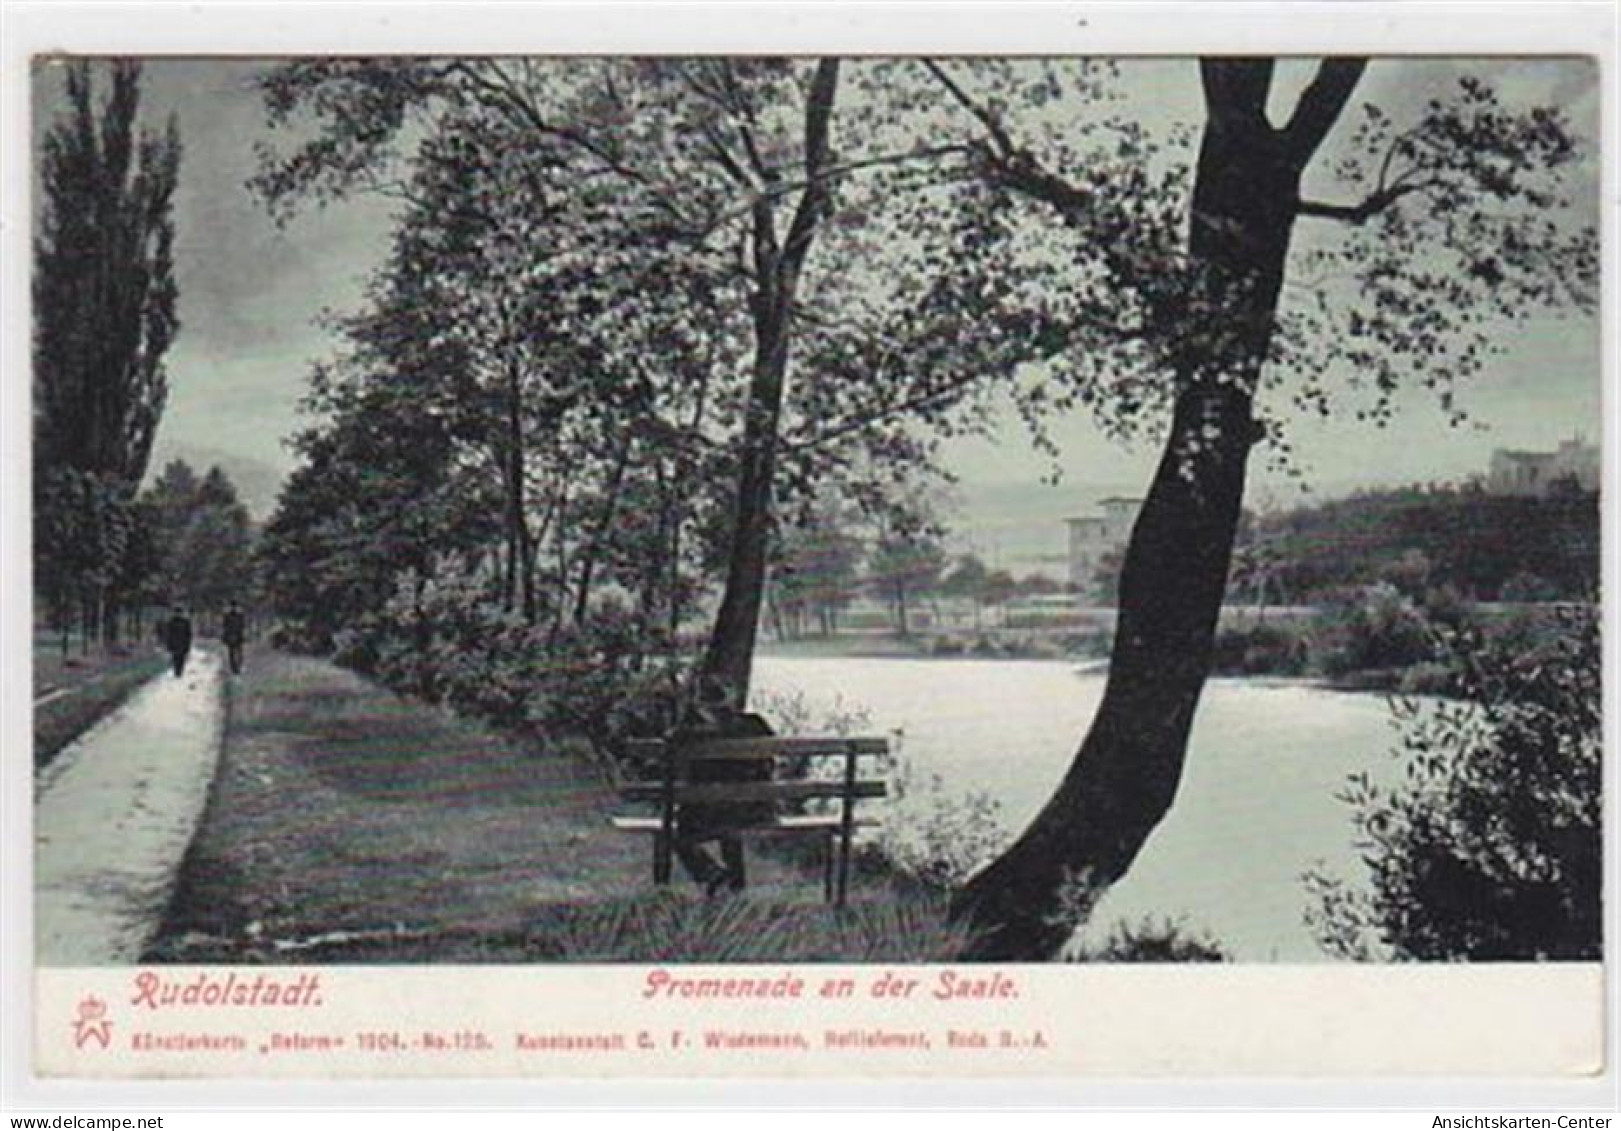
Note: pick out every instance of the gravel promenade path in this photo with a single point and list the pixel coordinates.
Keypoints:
(114, 813)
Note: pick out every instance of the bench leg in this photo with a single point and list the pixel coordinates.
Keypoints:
(843, 883)
(827, 867)
(661, 858)
(732, 856)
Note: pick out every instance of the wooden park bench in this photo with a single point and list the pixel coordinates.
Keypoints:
(674, 787)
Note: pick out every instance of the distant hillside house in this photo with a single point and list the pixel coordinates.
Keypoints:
(1575, 463)
(1093, 537)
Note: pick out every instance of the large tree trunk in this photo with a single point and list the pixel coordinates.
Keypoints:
(729, 657)
(517, 501)
(1124, 779)
(599, 536)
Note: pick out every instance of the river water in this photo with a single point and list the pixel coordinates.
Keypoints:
(1256, 807)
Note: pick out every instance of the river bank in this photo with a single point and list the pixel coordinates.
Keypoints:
(1019, 647)
(350, 824)
(1376, 641)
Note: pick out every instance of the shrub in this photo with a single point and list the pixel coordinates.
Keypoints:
(1432, 677)
(1522, 629)
(1489, 847)
(447, 640)
(794, 712)
(1088, 645)
(594, 673)
(1447, 608)
(1527, 588)
(946, 646)
(935, 838)
(1375, 628)
(301, 638)
(1151, 940)
(1044, 648)
(355, 648)
(1267, 648)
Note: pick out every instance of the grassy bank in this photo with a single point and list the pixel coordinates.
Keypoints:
(1383, 641)
(349, 824)
(72, 694)
(956, 644)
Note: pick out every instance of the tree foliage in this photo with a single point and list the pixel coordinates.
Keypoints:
(104, 289)
(1488, 846)
(1202, 298)
(816, 571)
(200, 540)
(660, 306)
(1471, 540)
(104, 317)
(598, 272)
(907, 563)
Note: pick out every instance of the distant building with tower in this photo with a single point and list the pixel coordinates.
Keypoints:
(1575, 463)
(1096, 536)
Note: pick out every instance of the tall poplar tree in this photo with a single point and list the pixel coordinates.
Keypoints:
(104, 287)
(104, 317)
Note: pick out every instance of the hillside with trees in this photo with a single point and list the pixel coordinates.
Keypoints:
(1485, 547)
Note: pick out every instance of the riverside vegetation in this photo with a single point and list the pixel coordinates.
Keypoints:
(613, 362)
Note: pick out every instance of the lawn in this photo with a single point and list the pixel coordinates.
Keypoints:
(72, 692)
(350, 824)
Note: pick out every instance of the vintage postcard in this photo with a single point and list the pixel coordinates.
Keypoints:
(868, 550)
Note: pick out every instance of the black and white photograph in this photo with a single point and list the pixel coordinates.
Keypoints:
(903, 510)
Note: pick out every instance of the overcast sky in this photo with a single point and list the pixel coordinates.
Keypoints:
(250, 295)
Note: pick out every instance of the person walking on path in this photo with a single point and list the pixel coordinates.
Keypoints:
(235, 633)
(177, 639)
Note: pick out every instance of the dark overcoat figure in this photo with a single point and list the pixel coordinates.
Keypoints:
(235, 633)
(714, 716)
(177, 639)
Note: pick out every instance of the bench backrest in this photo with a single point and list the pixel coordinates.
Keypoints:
(677, 786)
(675, 760)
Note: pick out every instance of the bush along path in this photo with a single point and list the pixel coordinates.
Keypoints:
(113, 815)
(350, 824)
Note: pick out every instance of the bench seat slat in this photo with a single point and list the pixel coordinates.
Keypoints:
(759, 749)
(671, 764)
(707, 792)
(799, 823)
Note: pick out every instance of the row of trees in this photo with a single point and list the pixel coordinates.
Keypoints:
(819, 568)
(1478, 545)
(642, 315)
(184, 539)
(204, 539)
(104, 317)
